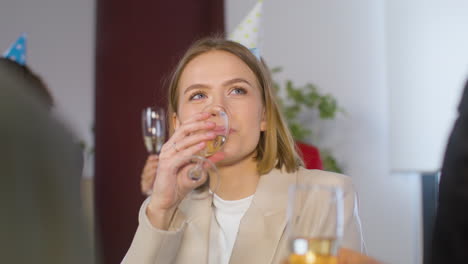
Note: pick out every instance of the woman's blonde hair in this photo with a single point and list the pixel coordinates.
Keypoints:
(276, 147)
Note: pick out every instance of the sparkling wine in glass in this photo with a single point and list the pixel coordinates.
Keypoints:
(315, 223)
(154, 129)
(203, 168)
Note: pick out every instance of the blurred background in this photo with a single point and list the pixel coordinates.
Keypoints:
(396, 67)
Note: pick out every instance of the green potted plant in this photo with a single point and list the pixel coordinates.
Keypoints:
(295, 99)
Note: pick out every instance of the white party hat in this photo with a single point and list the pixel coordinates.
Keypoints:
(247, 32)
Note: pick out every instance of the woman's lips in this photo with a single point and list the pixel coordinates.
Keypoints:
(221, 130)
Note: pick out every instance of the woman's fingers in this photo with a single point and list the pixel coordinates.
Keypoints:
(175, 161)
(149, 174)
(150, 164)
(152, 157)
(175, 144)
(146, 187)
(198, 117)
(172, 165)
(194, 123)
(193, 140)
(188, 129)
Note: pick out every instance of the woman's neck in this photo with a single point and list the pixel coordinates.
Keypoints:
(239, 180)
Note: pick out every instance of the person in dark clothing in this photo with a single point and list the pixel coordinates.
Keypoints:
(450, 237)
(41, 217)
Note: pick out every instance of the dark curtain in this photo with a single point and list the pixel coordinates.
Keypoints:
(137, 44)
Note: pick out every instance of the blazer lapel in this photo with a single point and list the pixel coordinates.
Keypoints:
(198, 215)
(263, 224)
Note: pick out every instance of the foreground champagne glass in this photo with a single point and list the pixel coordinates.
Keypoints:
(204, 169)
(154, 129)
(315, 224)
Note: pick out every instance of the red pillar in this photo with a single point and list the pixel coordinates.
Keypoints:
(137, 44)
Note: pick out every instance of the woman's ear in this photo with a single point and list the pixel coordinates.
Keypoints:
(175, 121)
(263, 123)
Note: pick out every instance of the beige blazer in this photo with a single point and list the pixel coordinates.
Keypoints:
(261, 238)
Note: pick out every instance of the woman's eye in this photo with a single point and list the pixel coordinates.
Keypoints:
(197, 96)
(239, 91)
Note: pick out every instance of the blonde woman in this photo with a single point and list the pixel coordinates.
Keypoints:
(244, 222)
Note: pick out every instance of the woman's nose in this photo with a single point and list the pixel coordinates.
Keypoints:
(219, 100)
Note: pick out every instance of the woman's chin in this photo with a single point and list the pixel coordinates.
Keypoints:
(231, 159)
(228, 160)
(225, 163)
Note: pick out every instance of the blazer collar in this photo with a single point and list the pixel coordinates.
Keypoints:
(198, 214)
(271, 195)
(264, 222)
(260, 229)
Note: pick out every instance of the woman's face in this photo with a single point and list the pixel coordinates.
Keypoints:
(219, 77)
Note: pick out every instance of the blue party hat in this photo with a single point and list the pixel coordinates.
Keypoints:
(17, 50)
(247, 32)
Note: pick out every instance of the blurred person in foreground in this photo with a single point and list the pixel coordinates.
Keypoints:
(41, 219)
(13, 64)
(31, 81)
(450, 237)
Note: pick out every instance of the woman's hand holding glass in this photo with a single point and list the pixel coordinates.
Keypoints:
(172, 183)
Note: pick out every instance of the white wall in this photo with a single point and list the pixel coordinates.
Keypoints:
(60, 49)
(341, 47)
(427, 68)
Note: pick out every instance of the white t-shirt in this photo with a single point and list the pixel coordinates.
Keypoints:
(225, 222)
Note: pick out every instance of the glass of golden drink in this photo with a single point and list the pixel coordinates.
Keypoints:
(203, 169)
(315, 223)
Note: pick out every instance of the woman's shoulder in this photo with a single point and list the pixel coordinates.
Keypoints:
(322, 177)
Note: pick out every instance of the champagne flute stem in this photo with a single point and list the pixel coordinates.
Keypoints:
(196, 173)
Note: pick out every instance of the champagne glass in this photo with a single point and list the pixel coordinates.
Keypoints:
(315, 223)
(154, 129)
(203, 169)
